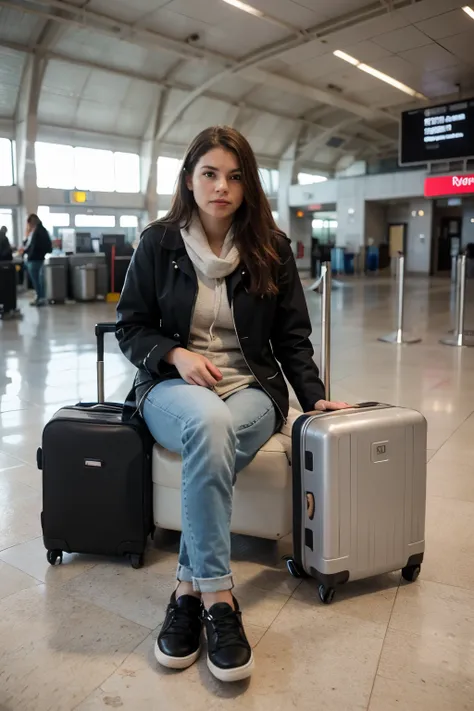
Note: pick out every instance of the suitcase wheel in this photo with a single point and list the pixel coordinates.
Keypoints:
(293, 567)
(411, 572)
(53, 556)
(136, 560)
(326, 595)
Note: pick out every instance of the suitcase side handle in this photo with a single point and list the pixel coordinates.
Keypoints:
(100, 330)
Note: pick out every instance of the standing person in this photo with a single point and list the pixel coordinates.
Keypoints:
(38, 245)
(212, 311)
(6, 253)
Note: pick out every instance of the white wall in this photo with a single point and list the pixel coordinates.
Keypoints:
(388, 186)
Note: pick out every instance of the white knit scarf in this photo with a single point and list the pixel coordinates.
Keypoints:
(201, 254)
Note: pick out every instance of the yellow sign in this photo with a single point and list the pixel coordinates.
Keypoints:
(78, 197)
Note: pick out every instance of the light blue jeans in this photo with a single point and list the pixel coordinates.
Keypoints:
(216, 440)
(36, 272)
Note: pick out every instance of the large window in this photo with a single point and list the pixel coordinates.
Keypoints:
(270, 180)
(129, 221)
(53, 219)
(167, 176)
(6, 162)
(310, 179)
(127, 172)
(94, 170)
(66, 167)
(94, 220)
(6, 219)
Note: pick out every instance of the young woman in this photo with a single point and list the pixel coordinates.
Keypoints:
(211, 313)
(37, 245)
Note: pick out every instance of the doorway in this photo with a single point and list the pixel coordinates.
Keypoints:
(449, 241)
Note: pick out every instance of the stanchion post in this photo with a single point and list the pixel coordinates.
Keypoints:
(326, 329)
(399, 337)
(460, 338)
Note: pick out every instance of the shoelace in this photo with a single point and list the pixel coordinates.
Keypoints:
(182, 620)
(227, 629)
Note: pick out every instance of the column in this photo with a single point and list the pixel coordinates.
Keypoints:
(25, 134)
(149, 157)
(287, 176)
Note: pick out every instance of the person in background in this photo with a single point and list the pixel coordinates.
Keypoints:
(38, 245)
(212, 314)
(6, 253)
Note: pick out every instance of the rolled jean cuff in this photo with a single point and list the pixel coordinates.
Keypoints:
(184, 574)
(210, 585)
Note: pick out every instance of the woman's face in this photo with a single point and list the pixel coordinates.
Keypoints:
(217, 184)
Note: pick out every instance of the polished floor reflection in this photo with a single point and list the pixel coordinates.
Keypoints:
(79, 636)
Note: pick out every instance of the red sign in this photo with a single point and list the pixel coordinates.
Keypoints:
(441, 185)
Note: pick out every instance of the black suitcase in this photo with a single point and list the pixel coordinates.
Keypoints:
(7, 288)
(97, 484)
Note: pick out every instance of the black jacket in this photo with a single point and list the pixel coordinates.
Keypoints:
(6, 254)
(40, 244)
(156, 308)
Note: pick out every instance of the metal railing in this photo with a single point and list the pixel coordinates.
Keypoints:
(460, 337)
(399, 336)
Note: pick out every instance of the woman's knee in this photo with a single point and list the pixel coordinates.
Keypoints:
(213, 419)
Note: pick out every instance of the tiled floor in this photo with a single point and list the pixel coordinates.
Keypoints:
(79, 636)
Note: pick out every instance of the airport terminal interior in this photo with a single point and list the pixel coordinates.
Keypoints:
(361, 117)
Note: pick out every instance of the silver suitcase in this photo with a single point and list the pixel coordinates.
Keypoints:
(359, 494)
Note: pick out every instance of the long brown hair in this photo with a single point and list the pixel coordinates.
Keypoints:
(255, 229)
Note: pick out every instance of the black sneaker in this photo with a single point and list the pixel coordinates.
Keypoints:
(179, 642)
(229, 655)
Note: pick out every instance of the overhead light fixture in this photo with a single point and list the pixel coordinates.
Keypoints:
(379, 75)
(469, 11)
(246, 8)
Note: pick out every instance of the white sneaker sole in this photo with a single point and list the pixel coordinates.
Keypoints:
(235, 674)
(175, 662)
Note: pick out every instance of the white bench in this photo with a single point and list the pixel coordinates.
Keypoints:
(262, 496)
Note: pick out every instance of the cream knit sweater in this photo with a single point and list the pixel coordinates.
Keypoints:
(212, 329)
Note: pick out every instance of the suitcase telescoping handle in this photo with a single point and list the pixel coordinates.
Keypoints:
(100, 330)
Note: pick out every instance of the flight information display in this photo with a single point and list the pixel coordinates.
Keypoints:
(437, 133)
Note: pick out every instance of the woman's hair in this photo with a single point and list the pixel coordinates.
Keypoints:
(33, 220)
(255, 229)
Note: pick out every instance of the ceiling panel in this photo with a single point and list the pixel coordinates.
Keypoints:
(461, 46)
(195, 72)
(56, 109)
(102, 49)
(8, 99)
(11, 70)
(292, 12)
(232, 87)
(269, 99)
(367, 51)
(129, 122)
(402, 39)
(445, 25)
(305, 53)
(222, 27)
(17, 26)
(64, 79)
(104, 88)
(318, 71)
(92, 116)
(138, 11)
(430, 58)
(429, 8)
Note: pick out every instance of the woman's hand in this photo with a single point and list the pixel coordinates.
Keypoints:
(324, 405)
(195, 369)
